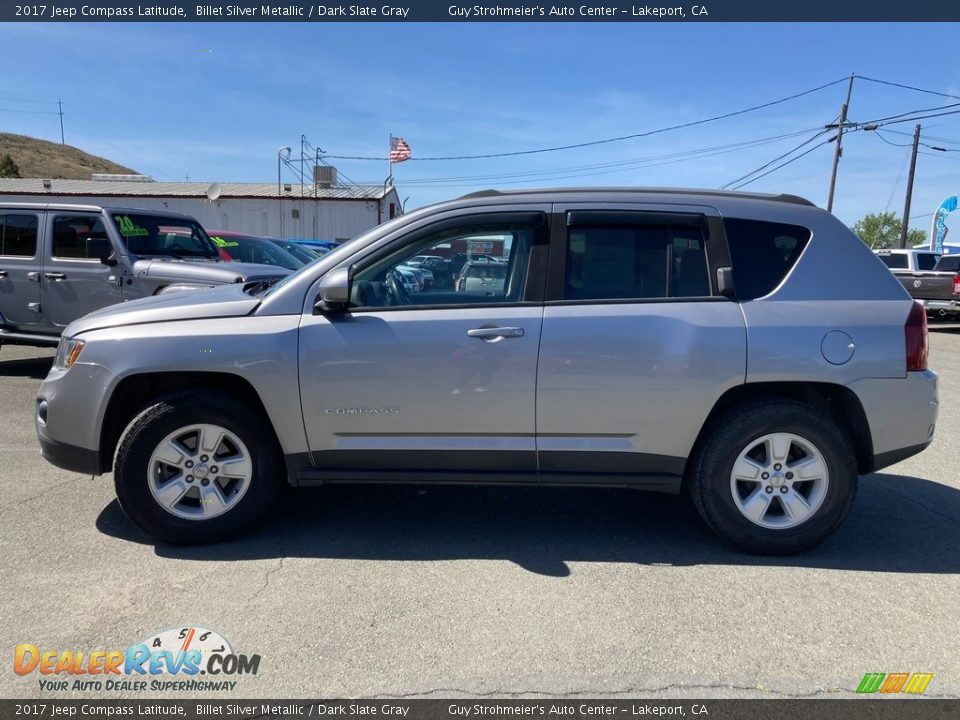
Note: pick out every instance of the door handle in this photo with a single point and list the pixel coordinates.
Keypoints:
(55, 276)
(3, 273)
(495, 333)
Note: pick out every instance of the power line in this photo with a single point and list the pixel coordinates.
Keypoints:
(784, 164)
(648, 161)
(776, 159)
(934, 138)
(906, 87)
(606, 140)
(29, 112)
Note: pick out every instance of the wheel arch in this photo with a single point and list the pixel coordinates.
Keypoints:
(134, 392)
(838, 401)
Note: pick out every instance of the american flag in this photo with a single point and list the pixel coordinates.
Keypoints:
(399, 150)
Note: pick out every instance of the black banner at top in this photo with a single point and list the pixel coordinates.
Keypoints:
(620, 11)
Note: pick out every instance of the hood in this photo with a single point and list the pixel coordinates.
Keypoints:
(215, 272)
(219, 302)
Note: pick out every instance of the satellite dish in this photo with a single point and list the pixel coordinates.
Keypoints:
(214, 191)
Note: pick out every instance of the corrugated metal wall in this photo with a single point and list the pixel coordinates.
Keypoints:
(318, 219)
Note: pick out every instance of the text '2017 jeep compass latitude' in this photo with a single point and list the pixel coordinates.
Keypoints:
(747, 348)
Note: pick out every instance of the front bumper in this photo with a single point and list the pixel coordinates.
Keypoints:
(70, 457)
(69, 414)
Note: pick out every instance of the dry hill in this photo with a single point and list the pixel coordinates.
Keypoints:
(44, 159)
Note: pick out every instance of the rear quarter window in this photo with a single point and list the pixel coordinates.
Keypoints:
(894, 261)
(948, 264)
(762, 253)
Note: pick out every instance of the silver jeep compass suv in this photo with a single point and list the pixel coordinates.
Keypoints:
(747, 349)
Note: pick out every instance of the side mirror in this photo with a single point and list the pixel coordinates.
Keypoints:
(725, 282)
(334, 291)
(101, 249)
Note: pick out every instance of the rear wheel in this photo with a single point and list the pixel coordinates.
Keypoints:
(774, 477)
(197, 468)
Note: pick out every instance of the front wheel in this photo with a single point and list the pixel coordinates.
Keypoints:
(197, 468)
(774, 477)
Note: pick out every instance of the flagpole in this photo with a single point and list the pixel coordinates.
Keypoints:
(389, 161)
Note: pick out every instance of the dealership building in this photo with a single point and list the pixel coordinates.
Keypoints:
(325, 210)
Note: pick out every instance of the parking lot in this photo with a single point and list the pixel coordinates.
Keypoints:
(438, 592)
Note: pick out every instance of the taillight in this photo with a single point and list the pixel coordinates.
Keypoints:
(956, 284)
(915, 333)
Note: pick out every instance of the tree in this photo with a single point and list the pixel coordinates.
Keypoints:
(882, 230)
(8, 168)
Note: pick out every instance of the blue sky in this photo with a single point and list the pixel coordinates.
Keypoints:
(215, 101)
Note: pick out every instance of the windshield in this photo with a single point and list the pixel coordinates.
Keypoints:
(298, 251)
(337, 252)
(146, 234)
(246, 248)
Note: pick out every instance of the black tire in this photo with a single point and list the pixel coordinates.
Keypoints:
(712, 464)
(166, 415)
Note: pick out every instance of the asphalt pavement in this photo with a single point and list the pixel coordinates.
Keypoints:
(492, 592)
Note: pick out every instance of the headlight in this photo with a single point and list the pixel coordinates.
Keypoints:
(68, 351)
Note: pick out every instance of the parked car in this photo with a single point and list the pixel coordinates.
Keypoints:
(300, 252)
(411, 279)
(482, 276)
(326, 245)
(60, 262)
(747, 349)
(424, 275)
(253, 249)
(939, 289)
(909, 260)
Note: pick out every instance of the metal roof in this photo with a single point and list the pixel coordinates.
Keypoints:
(119, 188)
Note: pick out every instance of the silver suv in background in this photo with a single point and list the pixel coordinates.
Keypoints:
(60, 262)
(746, 348)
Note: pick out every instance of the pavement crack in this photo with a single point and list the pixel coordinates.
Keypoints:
(45, 491)
(914, 501)
(266, 579)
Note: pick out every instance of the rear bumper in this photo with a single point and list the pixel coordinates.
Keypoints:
(945, 306)
(901, 412)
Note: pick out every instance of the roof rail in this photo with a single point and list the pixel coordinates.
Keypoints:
(783, 197)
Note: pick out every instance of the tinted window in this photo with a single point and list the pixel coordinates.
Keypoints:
(762, 253)
(948, 263)
(18, 235)
(634, 262)
(71, 232)
(893, 261)
(926, 261)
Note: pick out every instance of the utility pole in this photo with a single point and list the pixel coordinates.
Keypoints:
(905, 224)
(60, 105)
(838, 150)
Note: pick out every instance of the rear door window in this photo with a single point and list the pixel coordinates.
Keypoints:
(18, 235)
(926, 261)
(762, 253)
(641, 261)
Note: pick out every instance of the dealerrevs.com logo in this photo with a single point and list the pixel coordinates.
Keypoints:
(188, 659)
(894, 683)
